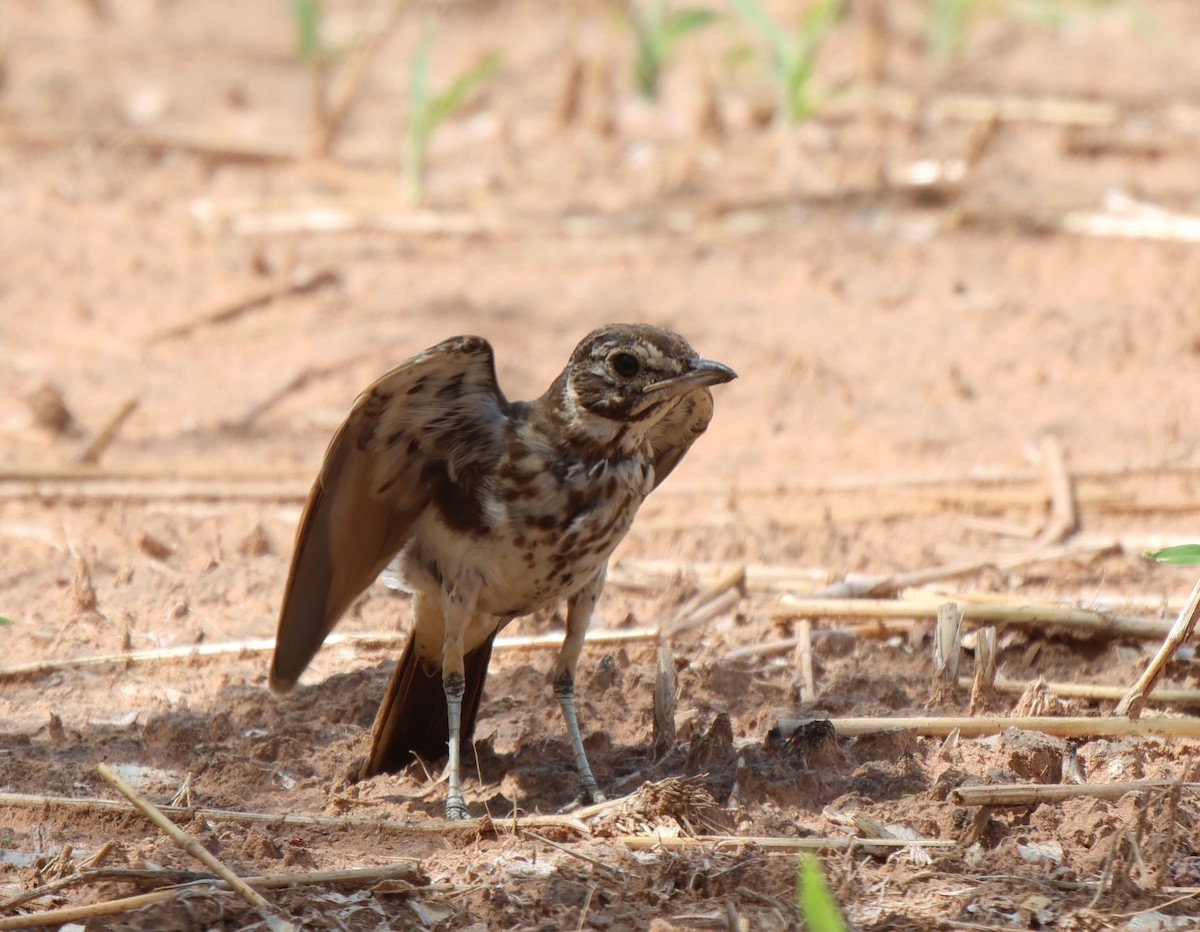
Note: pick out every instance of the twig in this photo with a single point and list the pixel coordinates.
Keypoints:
(1064, 518)
(253, 220)
(983, 684)
(382, 638)
(569, 823)
(804, 660)
(1132, 702)
(978, 726)
(55, 885)
(656, 574)
(587, 858)
(888, 585)
(771, 842)
(55, 917)
(1058, 111)
(411, 874)
(1130, 220)
(108, 433)
(947, 649)
(183, 839)
(722, 595)
(227, 311)
(1083, 620)
(1093, 691)
(294, 383)
(30, 132)
(332, 115)
(1032, 794)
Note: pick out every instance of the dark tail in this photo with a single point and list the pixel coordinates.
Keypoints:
(412, 716)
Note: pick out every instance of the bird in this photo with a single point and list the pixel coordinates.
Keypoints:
(485, 510)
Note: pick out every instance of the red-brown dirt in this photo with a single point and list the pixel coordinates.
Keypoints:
(902, 351)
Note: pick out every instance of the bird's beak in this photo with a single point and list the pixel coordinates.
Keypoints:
(701, 372)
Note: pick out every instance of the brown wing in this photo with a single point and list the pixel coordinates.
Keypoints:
(438, 418)
(674, 435)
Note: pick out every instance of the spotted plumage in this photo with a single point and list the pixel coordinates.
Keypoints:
(485, 509)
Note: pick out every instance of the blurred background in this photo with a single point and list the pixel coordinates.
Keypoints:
(924, 231)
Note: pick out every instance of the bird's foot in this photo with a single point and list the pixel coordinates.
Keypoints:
(588, 795)
(456, 809)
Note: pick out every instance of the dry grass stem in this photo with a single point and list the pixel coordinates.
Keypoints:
(983, 683)
(203, 143)
(889, 585)
(567, 823)
(804, 660)
(610, 869)
(332, 104)
(1126, 218)
(1064, 518)
(1032, 794)
(979, 726)
(411, 873)
(1010, 108)
(344, 217)
(724, 594)
(1092, 691)
(259, 645)
(655, 575)
(770, 842)
(947, 651)
(292, 384)
(75, 914)
(1083, 621)
(231, 310)
(182, 838)
(1131, 703)
(104, 438)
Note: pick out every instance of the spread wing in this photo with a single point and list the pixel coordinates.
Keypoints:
(438, 418)
(674, 435)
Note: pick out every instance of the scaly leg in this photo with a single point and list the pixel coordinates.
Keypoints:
(458, 607)
(579, 615)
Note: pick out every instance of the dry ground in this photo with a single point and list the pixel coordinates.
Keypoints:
(166, 244)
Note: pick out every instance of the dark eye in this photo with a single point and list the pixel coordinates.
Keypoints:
(626, 365)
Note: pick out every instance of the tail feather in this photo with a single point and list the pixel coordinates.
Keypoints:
(412, 715)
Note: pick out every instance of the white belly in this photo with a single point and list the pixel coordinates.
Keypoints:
(527, 560)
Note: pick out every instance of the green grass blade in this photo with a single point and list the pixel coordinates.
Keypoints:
(818, 909)
(5, 621)
(682, 22)
(1182, 555)
(453, 97)
(306, 15)
(418, 81)
(770, 29)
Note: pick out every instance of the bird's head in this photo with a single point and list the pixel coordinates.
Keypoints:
(629, 375)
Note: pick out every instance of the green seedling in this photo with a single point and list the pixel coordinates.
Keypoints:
(306, 17)
(658, 30)
(5, 621)
(794, 54)
(815, 905)
(950, 22)
(331, 104)
(426, 112)
(1181, 555)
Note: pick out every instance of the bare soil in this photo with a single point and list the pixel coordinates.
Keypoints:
(167, 242)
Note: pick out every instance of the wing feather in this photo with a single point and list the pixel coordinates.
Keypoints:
(439, 417)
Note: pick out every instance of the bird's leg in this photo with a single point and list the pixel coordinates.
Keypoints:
(579, 614)
(458, 607)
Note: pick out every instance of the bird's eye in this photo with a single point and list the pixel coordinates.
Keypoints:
(626, 365)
